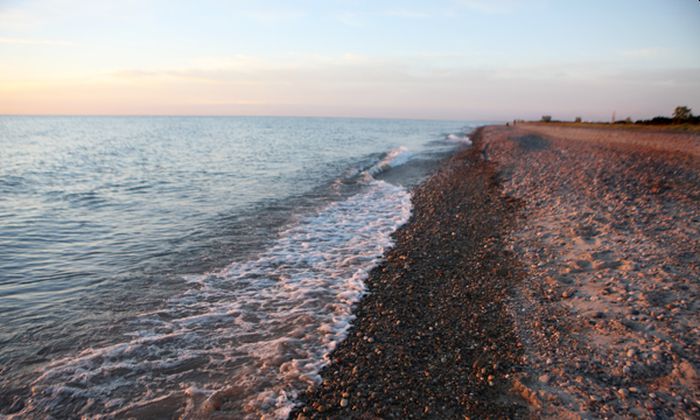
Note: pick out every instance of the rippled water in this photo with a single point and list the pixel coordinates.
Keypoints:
(153, 266)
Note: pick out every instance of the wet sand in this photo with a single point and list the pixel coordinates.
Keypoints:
(547, 272)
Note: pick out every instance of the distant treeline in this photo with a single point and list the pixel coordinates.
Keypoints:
(681, 115)
(695, 119)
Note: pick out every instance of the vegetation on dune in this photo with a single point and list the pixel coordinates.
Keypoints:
(682, 119)
(682, 114)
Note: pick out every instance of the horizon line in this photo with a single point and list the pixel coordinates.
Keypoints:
(249, 116)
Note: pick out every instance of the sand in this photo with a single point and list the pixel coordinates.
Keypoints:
(547, 272)
(609, 314)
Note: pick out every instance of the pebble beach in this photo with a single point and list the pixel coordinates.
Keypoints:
(547, 271)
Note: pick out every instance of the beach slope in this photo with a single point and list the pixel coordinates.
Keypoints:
(610, 236)
(547, 271)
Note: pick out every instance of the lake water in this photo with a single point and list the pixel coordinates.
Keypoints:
(197, 266)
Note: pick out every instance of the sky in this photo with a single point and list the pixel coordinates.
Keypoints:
(438, 59)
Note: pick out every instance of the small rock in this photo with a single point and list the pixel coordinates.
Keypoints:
(344, 402)
(544, 378)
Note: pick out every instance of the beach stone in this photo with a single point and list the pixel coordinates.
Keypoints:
(588, 226)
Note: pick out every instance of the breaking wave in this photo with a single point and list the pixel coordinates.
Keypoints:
(459, 138)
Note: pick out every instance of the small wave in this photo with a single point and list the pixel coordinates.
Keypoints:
(11, 181)
(10, 184)
(393, 158)
(248, 338)
(84, 198)
(459, 138)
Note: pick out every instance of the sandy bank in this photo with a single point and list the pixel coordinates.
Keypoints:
(547, 271)
(610, 235)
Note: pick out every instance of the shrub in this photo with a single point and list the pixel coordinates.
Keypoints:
(682, 114)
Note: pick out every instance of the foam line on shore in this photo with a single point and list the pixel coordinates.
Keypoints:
(278, 314)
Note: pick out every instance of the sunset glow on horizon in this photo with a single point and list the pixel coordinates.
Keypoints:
(443, 60)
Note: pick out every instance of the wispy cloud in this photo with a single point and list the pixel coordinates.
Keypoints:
(258, 69)
(275, 16)
(354, 69)
(33, 41)
(650, 52)
(491, 6)
(14, 20)
(409, 14)
(357, 85)
(350, 19)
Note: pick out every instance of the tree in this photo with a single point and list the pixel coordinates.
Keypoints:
(546, 118)
(682, 114)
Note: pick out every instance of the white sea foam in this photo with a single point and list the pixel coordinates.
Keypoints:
(395, 157)
(459, 138)
(251, 336)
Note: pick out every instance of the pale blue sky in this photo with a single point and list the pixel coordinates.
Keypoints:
(440, 59)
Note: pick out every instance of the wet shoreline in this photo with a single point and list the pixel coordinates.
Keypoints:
(434, 337)
(548, 272)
